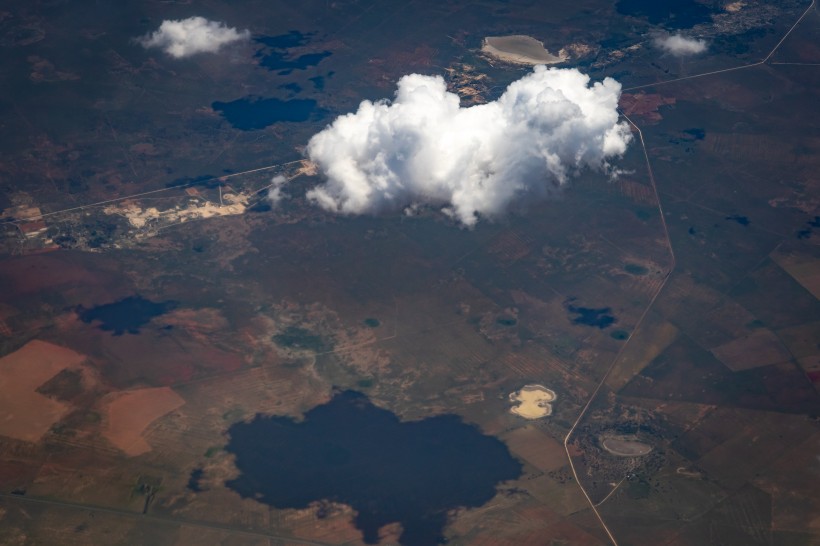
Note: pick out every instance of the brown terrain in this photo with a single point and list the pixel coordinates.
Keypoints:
(26, 414)
(128, 414)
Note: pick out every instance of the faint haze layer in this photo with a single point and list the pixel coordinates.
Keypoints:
(424, 148)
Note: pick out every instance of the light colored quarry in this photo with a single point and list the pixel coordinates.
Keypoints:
(519, 49)
(139, 218)
(532, 401)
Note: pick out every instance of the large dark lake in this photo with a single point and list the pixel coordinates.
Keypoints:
(252, 113)
(352, 452)
(674, 14)
(125, 315)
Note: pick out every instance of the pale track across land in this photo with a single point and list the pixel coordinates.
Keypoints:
(150, 192)
(593, 506)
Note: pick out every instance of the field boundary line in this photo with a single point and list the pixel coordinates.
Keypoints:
(637, 326)
(734, 68)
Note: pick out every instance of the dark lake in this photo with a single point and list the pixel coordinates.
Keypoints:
(635, 269)
(742, 220)
(277, 55)
(251, 113)
(806, 232)
(352, 452)
(193, 480)
(126, 315)
(293, 38)
(588, 316)
(674, 14)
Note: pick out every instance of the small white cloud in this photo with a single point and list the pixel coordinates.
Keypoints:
(193, 35)
(680, 46)
(425, 148)
(275, 193)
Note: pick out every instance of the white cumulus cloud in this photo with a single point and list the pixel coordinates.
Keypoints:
(424, 148)
(679, 45)
(275, 193)
(193, 35)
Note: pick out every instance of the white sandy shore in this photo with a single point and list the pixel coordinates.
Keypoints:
(519, 49)
(533, 401)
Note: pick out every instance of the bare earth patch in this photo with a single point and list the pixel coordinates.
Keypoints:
(151, 217)
(734, 7)
(129, 413)
(533, 401)
(24, 413)
(532, 444)
(758, 349)
(644, 105)
(804, 267)
(519, 49)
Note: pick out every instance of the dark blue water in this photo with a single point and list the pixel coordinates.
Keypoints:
(294, 38)
(742, 220)
(318, 82)
(352, 452)
(126, 315)
(277, 56)
(696, 133)
(807, 232)
(588, 316)
(194, 479)
(252, 113)
(673, 14)
(293, 87)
